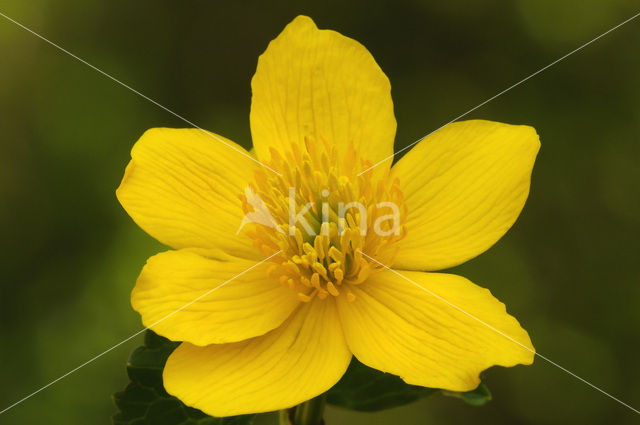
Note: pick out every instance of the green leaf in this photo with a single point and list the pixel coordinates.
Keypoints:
(478, 397)
(145, 402)
(366, 389)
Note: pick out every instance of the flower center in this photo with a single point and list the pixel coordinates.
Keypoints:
(324, 221)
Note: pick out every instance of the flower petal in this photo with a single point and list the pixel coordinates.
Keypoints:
(301, 359)
(396, 326)
(320, 84)
(176, 296)
(182, 188)
(464, 187)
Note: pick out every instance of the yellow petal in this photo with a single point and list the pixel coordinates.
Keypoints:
(301, 359)
(182, 188)
(176, 295)
(396, 326)
(464, 187)
(321, 85)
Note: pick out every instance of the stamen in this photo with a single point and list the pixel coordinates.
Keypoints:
(328, 261)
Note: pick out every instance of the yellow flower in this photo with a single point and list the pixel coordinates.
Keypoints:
(283, 331)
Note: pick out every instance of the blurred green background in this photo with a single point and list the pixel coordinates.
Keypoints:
(568, 270)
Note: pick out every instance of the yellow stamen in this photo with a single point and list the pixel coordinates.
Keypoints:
(330, 257)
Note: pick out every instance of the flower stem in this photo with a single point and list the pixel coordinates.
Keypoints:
(284, 417)
(308, 413)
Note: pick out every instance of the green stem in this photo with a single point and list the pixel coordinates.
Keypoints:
(308, 413)
(285, 417)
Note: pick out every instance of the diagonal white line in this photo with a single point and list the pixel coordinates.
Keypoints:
(503, 334)
(504, 91)
(137, 92)
(134, 335)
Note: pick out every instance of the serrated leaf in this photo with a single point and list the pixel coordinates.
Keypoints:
(145, 402)
(365, 389)
(478, 397)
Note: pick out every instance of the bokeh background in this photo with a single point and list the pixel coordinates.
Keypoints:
(568, 270)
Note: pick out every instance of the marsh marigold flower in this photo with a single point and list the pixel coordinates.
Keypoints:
(279, 332)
